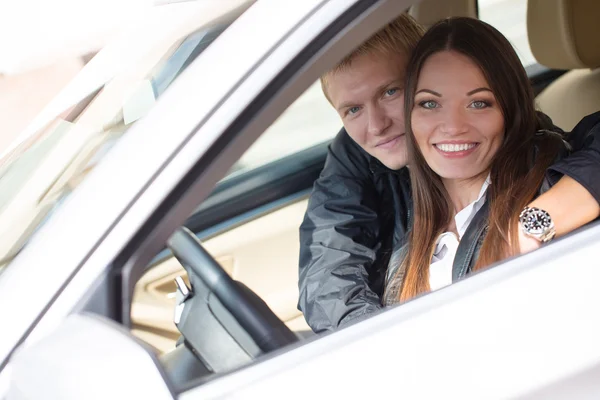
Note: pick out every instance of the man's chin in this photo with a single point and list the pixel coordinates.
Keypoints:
(394, 163)
(394, 158)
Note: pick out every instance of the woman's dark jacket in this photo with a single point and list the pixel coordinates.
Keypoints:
(358, 213)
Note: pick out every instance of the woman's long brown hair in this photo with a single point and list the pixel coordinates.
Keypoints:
(517, 169)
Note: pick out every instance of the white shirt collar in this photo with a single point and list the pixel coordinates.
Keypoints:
(463, 218)
(440, 270)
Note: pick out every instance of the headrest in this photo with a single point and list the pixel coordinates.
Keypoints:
(563, 34)
(428, 12)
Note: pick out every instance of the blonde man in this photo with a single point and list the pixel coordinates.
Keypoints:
(361, 197)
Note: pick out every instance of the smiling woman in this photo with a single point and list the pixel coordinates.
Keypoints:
(479, 155)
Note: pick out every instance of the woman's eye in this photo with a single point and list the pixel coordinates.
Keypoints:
(479, 104)
(430, 104)
(391, 92)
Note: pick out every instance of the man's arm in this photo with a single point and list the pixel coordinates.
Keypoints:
(339, 240)
(579, 186)
(582, 209)
(583, 165)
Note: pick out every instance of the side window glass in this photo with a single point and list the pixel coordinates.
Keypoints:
(510, 18)
(308, 121)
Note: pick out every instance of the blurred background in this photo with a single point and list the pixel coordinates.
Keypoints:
(45, 43)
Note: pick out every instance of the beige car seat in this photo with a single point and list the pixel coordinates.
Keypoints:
(428, 12)
(564, 34)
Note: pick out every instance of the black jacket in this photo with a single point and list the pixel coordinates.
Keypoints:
(359, 211)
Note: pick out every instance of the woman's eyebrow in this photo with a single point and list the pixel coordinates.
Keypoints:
(429, 91)
(481, 89)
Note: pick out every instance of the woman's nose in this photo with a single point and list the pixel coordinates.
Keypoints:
(454, 122)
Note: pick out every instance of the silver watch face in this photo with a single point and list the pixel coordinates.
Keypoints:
(535, 221)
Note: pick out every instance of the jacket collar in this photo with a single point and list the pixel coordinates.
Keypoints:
(377, 168)
(468, 248)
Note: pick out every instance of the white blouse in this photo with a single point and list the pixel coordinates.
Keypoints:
(440, 270)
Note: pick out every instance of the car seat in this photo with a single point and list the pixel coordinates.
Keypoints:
(428, 12)
(563, 35)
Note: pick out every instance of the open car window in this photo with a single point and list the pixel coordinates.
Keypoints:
(310, 120)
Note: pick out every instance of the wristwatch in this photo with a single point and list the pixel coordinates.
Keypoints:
(537, 223)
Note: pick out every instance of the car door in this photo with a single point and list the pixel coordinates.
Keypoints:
(526, 330)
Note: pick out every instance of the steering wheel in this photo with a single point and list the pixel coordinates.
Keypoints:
(249, 311)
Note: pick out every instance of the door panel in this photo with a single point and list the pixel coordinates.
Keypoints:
(262, 254)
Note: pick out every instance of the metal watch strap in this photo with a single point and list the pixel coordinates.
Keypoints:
(548, 232)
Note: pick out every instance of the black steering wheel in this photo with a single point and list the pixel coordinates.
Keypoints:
(249, 311)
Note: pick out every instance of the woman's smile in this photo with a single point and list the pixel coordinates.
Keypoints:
(456, 150)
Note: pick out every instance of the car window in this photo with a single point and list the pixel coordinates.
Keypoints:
(510, 18)
(308, 121)
(39, 173)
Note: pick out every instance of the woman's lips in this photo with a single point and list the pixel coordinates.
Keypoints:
(455, 150)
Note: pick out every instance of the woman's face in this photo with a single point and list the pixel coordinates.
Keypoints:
(456, 120)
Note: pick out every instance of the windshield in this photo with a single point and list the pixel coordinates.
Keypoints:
(44, 168)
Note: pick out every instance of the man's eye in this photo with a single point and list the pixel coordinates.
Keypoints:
(353, 110)
(430, 104)
(480, 104)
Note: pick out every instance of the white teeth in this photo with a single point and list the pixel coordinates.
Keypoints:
(452, 148)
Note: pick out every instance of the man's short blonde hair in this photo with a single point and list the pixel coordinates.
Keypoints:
(398, 37)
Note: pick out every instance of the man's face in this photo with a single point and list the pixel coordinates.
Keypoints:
(369, 97)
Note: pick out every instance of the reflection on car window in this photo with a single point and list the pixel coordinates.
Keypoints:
(38, 174)
(310, 120)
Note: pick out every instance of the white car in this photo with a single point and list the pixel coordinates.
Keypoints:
(161, 129)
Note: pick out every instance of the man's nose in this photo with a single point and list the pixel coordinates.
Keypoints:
(378, 121)
(454, 122)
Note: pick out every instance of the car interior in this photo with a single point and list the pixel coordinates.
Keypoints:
(563, 36)
(237, 256)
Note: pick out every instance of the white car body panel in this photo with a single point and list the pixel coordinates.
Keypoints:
(137, 379)
(466, 341)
